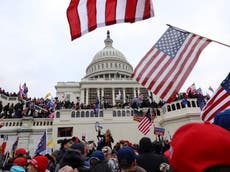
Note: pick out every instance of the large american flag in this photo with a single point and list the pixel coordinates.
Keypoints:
(86, 15)
(164, 69)
(146, 123)
(218, 102)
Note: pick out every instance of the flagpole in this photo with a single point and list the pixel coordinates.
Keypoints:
(200, 35)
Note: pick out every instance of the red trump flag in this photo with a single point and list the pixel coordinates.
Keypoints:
(86, 15)
(164, 69)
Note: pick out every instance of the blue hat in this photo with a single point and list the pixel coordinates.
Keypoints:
(98, 155)
(126, 156)
(223, 119)
(16, 168)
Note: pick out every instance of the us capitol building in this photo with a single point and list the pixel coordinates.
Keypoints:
(108, 77)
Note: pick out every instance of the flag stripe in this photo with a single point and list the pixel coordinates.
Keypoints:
(130, 11)
(91, 8)
(120, 11)
(100, 13)
(164, 69)
(141, 10)
(148, 12)
(83, 16)
(110, 12)
(86, 15)
(74, 20)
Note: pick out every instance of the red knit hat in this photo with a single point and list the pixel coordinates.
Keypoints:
(197, 146)
(20, 151)
(40, 162)
(20, 161)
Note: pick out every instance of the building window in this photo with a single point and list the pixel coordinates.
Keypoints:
(65, 132)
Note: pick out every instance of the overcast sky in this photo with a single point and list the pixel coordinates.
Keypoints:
(36, 47)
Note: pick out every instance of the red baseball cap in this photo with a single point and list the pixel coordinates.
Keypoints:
(197, 146)
(20, 161)
(40, 162)
(20, 151)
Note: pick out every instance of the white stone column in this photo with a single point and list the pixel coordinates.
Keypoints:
(113, 95)
(134, 92)
(82, 97)
(138, 91)
(123, 95)
(98, 93)
(102, 92)
(87, 96)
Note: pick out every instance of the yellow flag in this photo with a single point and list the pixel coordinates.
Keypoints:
(50, 142)
(47, 95)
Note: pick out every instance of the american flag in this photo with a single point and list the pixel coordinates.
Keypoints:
(42, 144)
(86, 15)
(145, 124)
(15, 145)
(138, 115)
(218, 102)
(164, 69)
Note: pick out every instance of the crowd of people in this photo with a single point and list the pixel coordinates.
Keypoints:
(44, 107)
(195, 147)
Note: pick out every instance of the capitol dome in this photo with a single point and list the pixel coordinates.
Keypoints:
(109, 63)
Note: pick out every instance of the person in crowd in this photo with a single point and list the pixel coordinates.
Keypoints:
(19, 153)
(38, 164)
(68, 168)
(6, 110)
(16, 168)
(127, 160)
(223, 119)
(74, 159)
(105, 139)
(147, 158)
(98, 162)
(137, 101)
(111, 158)
(19, 165)
(52, 161)
(65, 144)
(80, 146)
(200, 147)
(108, 138)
